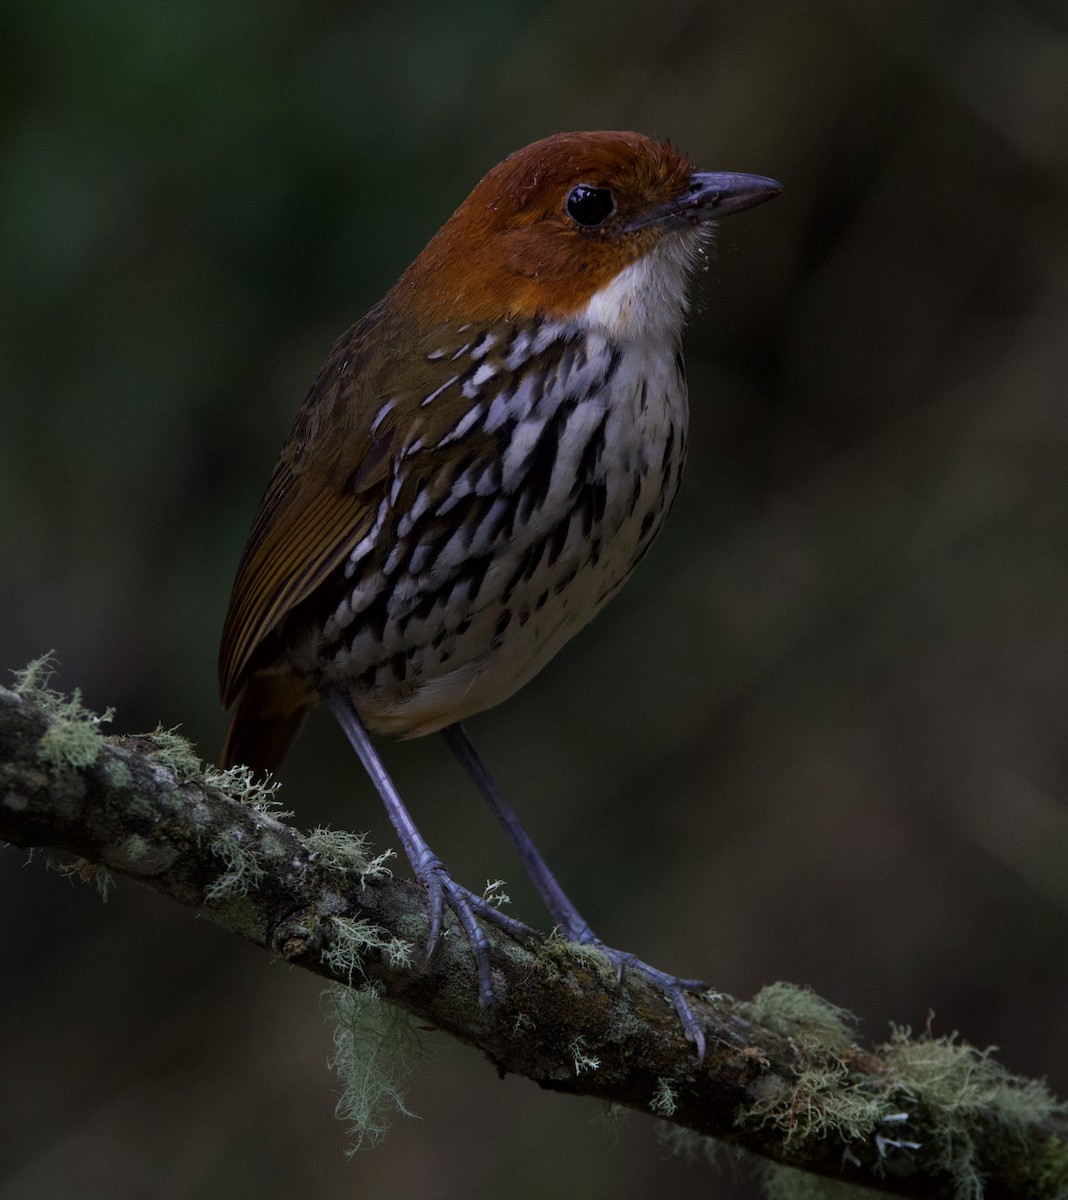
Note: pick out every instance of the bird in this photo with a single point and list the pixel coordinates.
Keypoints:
(478, 468)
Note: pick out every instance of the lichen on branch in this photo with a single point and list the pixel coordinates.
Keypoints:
(783, 1077)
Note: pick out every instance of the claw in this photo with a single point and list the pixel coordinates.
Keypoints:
(673, 988)
(568, 919)
(443, 890)
(476, 939)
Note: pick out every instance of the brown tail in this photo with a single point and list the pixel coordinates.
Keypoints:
(270, 711)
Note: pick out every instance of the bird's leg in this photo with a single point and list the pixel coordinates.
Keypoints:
(567, 917)
(441, 888)
(563, 912)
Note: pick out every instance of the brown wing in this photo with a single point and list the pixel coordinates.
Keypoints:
(303, 537)
(319, 503)
(334, 472)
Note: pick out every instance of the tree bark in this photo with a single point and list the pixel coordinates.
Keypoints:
(781, 1077)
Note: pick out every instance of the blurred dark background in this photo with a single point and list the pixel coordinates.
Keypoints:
(820, 737)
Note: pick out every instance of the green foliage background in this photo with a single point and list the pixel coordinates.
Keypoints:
(821, 737)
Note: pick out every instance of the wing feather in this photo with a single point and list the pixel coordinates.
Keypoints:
(320, 502)
(300, 542)
(331, 478)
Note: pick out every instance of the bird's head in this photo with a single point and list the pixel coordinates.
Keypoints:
(596, 226)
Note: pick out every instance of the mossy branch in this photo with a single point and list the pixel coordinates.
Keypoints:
(782, 1078)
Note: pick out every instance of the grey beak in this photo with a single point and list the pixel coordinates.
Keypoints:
(709, 196)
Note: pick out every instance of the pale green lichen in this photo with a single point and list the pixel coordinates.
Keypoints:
(175, 751)
(575, 954)
(73, 737)
(523, 1021)
(797, 1012)
(352, 940)
(951, 1076)
(665, 1098)
(242, 784)
(272, 846)
(716, 999)
(134, 848)
(935, 1096)
(495, 894)
(412, 925)
(821, 1100)
(1049, 1167)
(117, 773)
(349, 852)
(34, 681)
(581, 1060)
(964, 1090)
(376, 1046)
(142, 856)
(243, 868)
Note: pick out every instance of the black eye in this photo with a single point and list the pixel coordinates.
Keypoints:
(590, 206)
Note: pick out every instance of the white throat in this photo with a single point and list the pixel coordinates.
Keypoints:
(648, 299)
